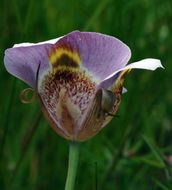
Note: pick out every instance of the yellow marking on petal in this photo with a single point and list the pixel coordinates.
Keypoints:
(62, 69)
(57, 54)
(64, 57)
(120, 80)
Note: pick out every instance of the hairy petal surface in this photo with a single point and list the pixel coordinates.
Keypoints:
(66, 96)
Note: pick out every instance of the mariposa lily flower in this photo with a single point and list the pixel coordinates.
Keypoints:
(78, 79)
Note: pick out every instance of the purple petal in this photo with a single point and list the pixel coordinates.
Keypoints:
(23, 62)
(101, 55)
(105, 84)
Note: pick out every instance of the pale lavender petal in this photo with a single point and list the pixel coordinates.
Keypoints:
(101, 54)
(23, 62)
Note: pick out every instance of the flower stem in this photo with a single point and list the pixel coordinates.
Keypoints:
(72, 165)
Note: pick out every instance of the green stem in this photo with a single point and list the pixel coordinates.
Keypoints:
(72, 165)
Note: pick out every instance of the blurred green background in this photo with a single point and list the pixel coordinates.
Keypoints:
(134, 150)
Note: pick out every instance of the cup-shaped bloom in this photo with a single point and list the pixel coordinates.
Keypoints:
(78, 79)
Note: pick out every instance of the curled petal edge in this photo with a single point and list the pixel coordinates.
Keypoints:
(24, 96)
(148, 64)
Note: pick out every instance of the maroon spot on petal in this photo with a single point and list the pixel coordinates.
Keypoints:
(65, 60)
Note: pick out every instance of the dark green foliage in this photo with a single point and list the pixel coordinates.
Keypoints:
(131, 153)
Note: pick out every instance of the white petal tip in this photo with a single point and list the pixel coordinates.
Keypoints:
(156, 63)
(160, 65)
(152, 64)
(26, 44)
(22, 45)
(149, 64)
